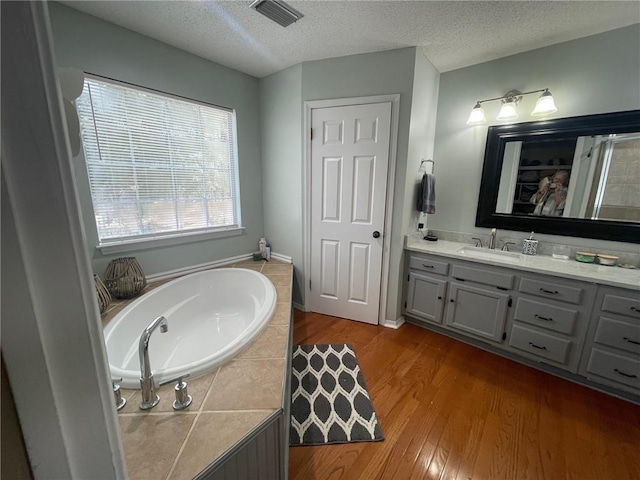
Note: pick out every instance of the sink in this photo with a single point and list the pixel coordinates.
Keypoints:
(485, 253)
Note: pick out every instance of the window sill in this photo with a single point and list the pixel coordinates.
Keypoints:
(166, 240)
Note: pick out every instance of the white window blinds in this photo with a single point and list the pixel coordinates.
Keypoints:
(158, 165)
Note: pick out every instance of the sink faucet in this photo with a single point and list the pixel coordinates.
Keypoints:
(493, 239)
(147, 385)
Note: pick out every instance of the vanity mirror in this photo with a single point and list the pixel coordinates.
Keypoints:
(576, 176)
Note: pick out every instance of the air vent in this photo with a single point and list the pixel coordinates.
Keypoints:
(278, 11)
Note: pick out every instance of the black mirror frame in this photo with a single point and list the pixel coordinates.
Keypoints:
(498, 136)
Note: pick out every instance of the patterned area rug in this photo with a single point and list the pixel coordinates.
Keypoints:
(329, 399)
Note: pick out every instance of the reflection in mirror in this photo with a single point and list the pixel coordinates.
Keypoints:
(577, 176)
(593, 177)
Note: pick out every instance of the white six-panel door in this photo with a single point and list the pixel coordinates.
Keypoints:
(349, 163)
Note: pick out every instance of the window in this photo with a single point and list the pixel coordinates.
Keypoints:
(158, 165)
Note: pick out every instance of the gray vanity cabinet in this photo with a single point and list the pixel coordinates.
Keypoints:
(477, 311)
(576, 329)
(477, 302)
(550, 320)
(425, 296)
(612, 351)
(471, 299)
(426, 287)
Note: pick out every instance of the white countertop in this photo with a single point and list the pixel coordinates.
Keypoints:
(545, 264)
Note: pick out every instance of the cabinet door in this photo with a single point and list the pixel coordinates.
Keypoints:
(425, 297)
(478, 311)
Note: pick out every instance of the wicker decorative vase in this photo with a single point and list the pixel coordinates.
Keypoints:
(124, 277)
(104, 297)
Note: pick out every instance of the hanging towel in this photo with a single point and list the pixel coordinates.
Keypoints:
(427, 194)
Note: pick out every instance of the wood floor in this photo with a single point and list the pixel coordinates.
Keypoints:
(452, 411)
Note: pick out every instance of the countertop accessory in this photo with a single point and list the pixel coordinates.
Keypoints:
(608, 260)
(585, 257)
(120, 402)
(430, 237)
(560, 252)
(627, 265)
(124, 277)
(529, 245)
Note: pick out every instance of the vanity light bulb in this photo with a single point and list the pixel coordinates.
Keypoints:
(477, 115)
(544, 105)
(508, 111)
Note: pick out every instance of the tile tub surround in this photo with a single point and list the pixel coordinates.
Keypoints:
(545, 264)
(228, 403)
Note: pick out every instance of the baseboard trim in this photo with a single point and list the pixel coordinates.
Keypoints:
(298, 306)
(178, 272)
(395, 324)
(282, 258)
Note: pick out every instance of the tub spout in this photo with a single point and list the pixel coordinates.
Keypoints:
(147, 385)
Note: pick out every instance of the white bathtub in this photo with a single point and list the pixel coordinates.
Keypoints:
(212, 315)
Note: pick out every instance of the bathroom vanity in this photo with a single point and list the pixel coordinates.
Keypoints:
(578, 321)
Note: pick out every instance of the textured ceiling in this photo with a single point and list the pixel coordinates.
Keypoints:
(452, 34)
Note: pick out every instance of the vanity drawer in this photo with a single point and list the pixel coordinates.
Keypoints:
(619, 334)
(622, 305)
(547, 289)
(540, 344)
(546, 316)
(619, 368)
(428, 265)
(486, 277)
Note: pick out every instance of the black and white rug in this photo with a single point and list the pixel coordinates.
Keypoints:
(329, 399)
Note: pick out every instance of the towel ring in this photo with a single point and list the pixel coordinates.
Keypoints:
(433, 164)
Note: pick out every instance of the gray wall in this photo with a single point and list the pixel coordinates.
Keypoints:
(93, 45)
(406, 72)
(281, 132)
(421, 135)
(591, 75)
(363, 75)
(421, 144)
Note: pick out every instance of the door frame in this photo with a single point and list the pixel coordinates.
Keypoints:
(309, 106)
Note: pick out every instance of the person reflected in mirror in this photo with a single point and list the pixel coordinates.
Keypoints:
(551, 195)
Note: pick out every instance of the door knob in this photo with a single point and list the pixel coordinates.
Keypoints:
(376, 234)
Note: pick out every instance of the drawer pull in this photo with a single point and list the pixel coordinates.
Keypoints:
(537, 346)
(552, 292)
(635, 309)
(626, 339)
(544, 318)
(624, 374)
(427, 266)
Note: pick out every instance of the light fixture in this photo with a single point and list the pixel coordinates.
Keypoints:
(545, 104)
(477, 115)
(509, 106)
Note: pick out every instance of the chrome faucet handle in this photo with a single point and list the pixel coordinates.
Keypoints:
(505, 246)
(120, 401)
(478, 242)
(183, 399)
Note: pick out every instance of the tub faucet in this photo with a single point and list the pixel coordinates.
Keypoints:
(147, 385)
(493, 239)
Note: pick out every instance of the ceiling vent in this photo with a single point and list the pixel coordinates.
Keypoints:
(278, 11)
